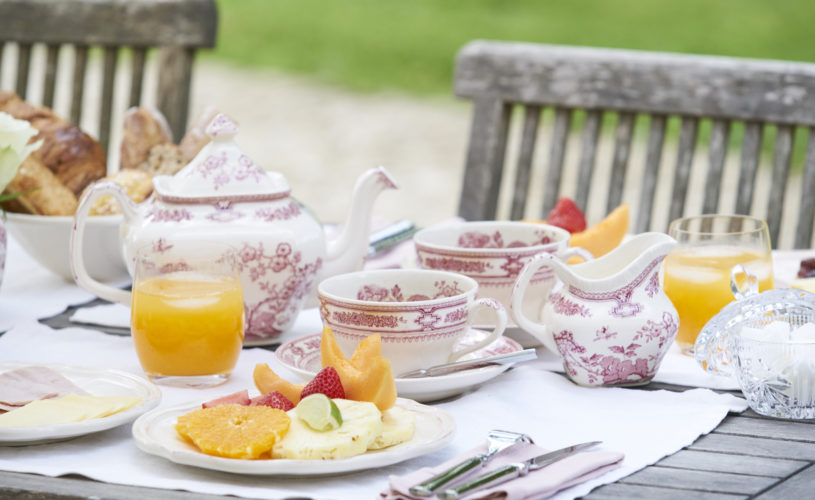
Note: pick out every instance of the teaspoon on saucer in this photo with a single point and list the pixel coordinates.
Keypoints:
(445, 369)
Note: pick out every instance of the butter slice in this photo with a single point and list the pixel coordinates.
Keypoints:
(70, 408)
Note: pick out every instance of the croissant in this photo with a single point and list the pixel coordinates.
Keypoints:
(49, 195)
(74, 157)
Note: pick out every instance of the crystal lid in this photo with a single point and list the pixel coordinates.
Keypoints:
(713, 349)
(221, 171)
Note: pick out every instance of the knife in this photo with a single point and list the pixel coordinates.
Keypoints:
(513, 470)
(435, 371)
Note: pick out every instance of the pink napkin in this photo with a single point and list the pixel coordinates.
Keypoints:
(537, 484)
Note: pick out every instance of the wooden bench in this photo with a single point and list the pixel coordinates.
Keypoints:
(499, 77)
(177, 28)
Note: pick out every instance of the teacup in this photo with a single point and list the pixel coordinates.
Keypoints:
(493, 253)
(421, 315)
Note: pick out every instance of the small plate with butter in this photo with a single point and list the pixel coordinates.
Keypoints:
(68, 401)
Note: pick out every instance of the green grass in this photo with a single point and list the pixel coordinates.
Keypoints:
(410, 45)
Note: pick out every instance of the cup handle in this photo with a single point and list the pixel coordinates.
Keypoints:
(500, 326)
(81, 275)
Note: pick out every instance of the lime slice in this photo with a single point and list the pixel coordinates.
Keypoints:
(319, 412)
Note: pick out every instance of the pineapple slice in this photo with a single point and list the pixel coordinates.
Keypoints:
(361, 425)
(398, 425)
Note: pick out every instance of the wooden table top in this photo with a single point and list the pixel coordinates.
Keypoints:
(746, 456)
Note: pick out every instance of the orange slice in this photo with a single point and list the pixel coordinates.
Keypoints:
(234, 431)
(604, 236)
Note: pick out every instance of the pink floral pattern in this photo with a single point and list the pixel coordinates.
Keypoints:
(566, 307)
(622, 364)
(376, 293)
(622, 296)
(476, 239)
(286, 212)
(158, 214)
(285, 280)
(367, 320)
(653, 285)
(456, 265)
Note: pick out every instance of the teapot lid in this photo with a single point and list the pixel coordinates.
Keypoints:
(221, 171)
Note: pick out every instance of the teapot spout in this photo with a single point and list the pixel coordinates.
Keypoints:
(346, 251)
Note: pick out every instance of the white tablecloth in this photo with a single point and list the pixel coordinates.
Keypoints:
(29, 291)
(645, 425)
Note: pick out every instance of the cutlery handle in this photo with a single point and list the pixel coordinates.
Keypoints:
(426, 488)
(497, 476)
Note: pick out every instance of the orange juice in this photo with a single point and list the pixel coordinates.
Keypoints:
(187, 324)
(697, 280)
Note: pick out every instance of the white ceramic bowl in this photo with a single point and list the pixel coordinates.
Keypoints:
(47, 239)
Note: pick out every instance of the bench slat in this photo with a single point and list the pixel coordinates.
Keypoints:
(588, 157)
(719, 139)
(557, 151)
(524, 165)
(803, 233)
(653, 155)
(619, 162)
(684, 161)
(750, 155)
(781, 168)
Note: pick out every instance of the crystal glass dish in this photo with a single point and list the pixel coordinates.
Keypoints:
(767, 342)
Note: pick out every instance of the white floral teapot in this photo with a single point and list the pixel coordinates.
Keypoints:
(610, 322)
(223, 196)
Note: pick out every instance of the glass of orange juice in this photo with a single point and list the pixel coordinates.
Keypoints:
(697, 271)
(187, 316)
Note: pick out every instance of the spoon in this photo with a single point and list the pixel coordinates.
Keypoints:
(434, 371)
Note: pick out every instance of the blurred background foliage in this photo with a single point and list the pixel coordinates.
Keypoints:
(410, 45)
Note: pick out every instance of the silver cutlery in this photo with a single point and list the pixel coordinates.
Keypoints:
(391, 235)
(497, 440)
(434, 371)
(513, 470)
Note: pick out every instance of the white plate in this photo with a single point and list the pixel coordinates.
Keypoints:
(302, 356)
(155, 433)
(96, 382)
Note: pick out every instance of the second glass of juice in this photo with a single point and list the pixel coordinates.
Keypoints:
(697, 271)
(187, 317)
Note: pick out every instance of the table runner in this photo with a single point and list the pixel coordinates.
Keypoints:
(30, 291)
(644, 425)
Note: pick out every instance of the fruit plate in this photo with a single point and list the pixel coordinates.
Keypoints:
(95, 381)
(302, 356)
(154, 433)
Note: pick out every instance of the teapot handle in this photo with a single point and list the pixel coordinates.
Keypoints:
(78, 269)
(538, 330)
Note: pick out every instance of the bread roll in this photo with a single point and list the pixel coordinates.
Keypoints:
(137, 184)
(143, 129)
(50, 197)
(196, 137)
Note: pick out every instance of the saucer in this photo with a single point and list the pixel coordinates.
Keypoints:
(302, 356)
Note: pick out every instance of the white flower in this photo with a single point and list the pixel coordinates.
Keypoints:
(14, 147)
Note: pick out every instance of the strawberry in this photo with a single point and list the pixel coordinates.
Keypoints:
(239, 398)
(568, 216)
(273, 399)
(327, 381)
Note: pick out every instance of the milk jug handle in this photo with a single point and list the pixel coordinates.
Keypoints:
(539, 261)
(570, 252)
(78, 269)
